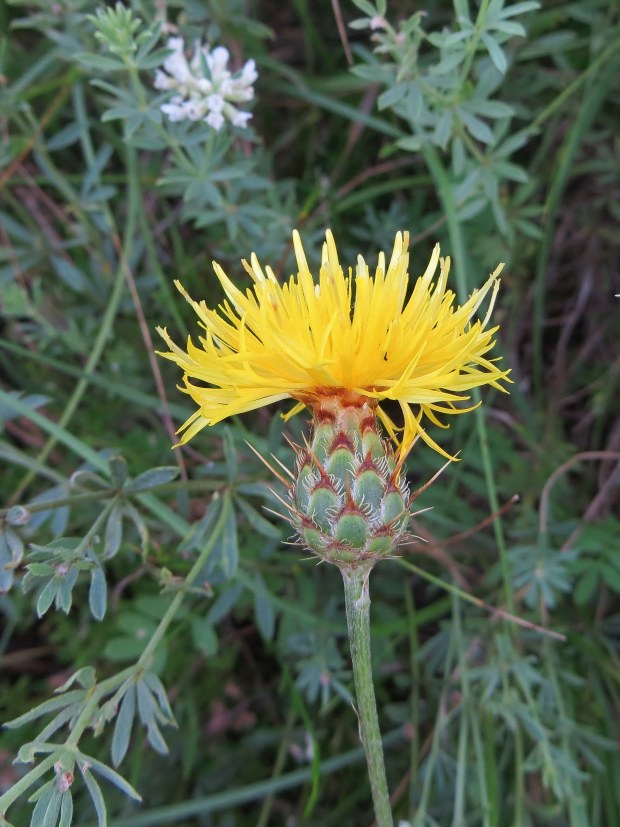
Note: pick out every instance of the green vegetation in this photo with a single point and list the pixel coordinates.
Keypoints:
(159, 638)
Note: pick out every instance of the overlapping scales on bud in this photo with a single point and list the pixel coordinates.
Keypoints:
(348, 500)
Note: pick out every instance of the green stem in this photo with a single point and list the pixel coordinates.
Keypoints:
(99, 691)
(357, 599)
(24, 783)
(108, 685)
(457, 242)
(285, 742)
(595, 96)
(414, 668)
(173, 608)
(76, 499)
(107, 321)
(519, 807)
(474, 40)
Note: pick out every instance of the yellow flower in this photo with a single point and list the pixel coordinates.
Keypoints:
(354, 334)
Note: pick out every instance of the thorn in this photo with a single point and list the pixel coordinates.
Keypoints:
(283, 467)
(277, 514)
(417, 493)
(287, 505)
(413, 514)
(264, 461)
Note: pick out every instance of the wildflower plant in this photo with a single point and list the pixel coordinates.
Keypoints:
(204, 88)
(341, 345)
(137, 597)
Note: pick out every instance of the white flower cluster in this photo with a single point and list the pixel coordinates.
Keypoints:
(206, 89)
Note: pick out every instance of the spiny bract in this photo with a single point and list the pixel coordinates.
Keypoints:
(348, 501)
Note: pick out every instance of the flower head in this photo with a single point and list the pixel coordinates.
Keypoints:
(205, 88)
(353, 334)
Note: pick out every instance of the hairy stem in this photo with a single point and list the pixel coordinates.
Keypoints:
(357, 598)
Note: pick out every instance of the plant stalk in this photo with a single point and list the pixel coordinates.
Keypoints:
(357, 599)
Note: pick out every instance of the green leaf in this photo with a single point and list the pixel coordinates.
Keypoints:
(15, 545)
(123, 726)
(119, 112)
(229, 546)
(496, 53)
(152, 478)
(147, 40)
(158, 689)
(113, 533)
(155, 738)
(412, 143)
(449, 62)
(392, 95)
(365, 6)
(146, 703)
(461, 7)
(118, 470)
(98, 593)
(66, 809)
(46, 598)
(123, 648)
(471, 208)
(443, 129)
(224, 603)
(257, 521)
(86, 677)
(519, 8)
(586, 586)
(70, 274)
(27, 753)
(476, 127)
(230, 453)
(95, 793)
(489, 108)
(458, 156)
(67, 136)
(149, 713)
(41, 569)
(511, 171)
(51, 705)
(17, 515)
(263, 607)
(204, 636)
(64, 593)
(53, 809)
(610, 575)
(510, 28)
(153, 61)
(45, 813)
(100, 62)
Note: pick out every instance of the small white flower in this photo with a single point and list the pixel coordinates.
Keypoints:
(215, 103)
(205, 87)
(174, 111)
(248, 73)
(216, 120)
(218, 60)
(194, 109)
(176, 44)
(176, 63)
(163, 81)
(240, 118)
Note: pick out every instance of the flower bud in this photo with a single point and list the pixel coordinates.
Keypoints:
(348, 501)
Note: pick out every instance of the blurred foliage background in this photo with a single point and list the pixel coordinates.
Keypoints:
(212, 668)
